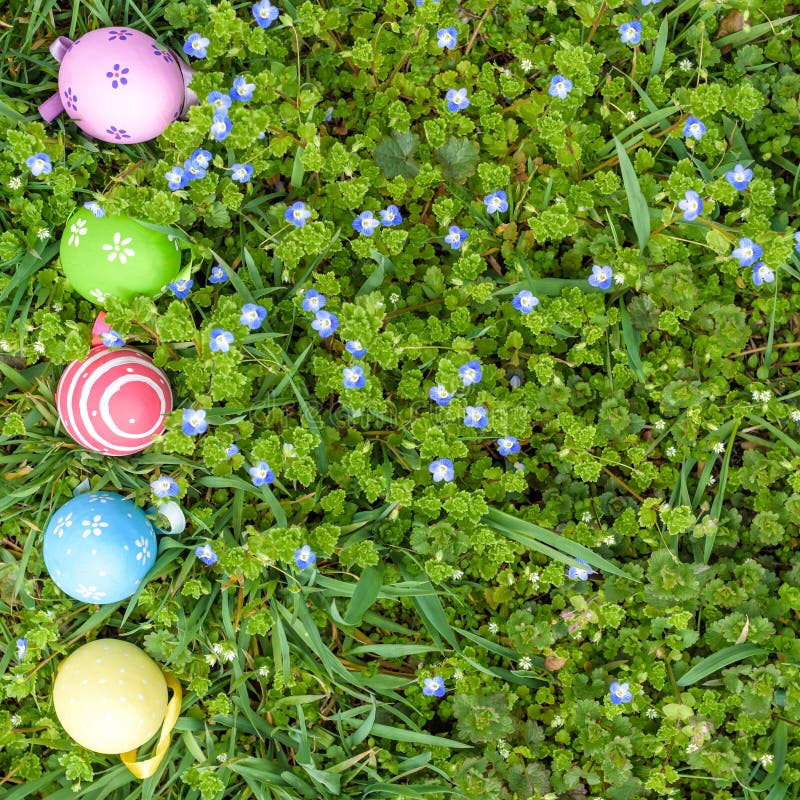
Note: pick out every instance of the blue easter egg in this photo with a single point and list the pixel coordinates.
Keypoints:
(98, 547)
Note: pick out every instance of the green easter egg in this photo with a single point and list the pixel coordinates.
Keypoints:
(116, 256)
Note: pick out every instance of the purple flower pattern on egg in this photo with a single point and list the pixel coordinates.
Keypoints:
(120, 35)
(160, 53)
(117, 133)
(117, 76)
(70, 99)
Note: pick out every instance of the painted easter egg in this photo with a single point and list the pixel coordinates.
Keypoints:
(120, 85)
(116, 256)
(114, 401)
(98, 547)
(110, 696)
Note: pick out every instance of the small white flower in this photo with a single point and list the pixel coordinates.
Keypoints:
(15, 182)
(610, 539)
(222, 758)
(711, 480)
(457, 674)
(795, 415)
(394, 298)
(651, 713)
(216, 648)
(665, 507)
(210, 660)
(525, 663)
(671, 452)
(56, 307)
(502, 748)
(38, 347)
(4, 346)
(686, 65)
(493, 627)
(16, 720)
(630, 116)
(619, 278)
(692, 747)
(586, 516)
(119, 249)
(718, 447)
(558, 721)
(43, 233)
(263, 671)
(659, 424)
(534, 578)
(289, 450)
(766, 759)
(526, 64)
(458, 575)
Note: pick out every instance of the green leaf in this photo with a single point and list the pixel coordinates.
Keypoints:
(660, 48)
(459, 158)
(395, 155)
(365, 594)
(632, 341)
(637, 205)
(716, 661)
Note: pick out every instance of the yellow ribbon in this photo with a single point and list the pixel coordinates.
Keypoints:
(144, 769)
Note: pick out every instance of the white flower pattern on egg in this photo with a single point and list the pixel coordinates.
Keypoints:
(119, 249)
(89, 592)
(99, 295)
(94, 526)
(77, 230)
(144, 549)
(61, 523)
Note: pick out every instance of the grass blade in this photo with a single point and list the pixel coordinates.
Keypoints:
(717, 661)
(637, 205)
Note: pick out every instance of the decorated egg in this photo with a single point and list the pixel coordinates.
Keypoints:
(119, 85)
(98, 547)
(116, 255)
(110, 696)
(114, 401)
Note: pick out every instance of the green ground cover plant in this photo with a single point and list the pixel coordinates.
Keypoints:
(492, 316)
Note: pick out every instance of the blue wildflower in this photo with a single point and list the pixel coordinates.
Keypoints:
(314, 301)
(261, 473)
(601, 276)
(39, 164)
(365, 223)
(354, 347)
(194, 421)
(471, 372)
(693, 128)
(496, 201)
(797, 241)
(325, 324)
(581, 573)
(112, 339)
(559, 87)
(22, 648)
(202, 158)
(447, 38)
(442, 470)
(525, 301)
(433, 687)
(220, 340)
(242, 90)
(206, 554)
(265, 13)
(196, 45)
(476, 417)
(353, 377)
(95, 208)
(739, 177)
(762, 274)
(691, 205)
(193, 170)
(253, 316)
(457, 99)
(630, 32)
(440, 395)
(748, 252)
(165, 487)
(176, 178)
(220, 127)
(297, 214)
(218, 274)
(231, 450)
(241, 172)
(456, 237)
(390, 216)
(220, 101)
(304, 557)
(620, 693)
(508, 445)
(181, 288)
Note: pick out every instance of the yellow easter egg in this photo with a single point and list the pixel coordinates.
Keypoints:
(110, 696)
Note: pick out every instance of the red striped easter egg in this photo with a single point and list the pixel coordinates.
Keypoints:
(114, 402)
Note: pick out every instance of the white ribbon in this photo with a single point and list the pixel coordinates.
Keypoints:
(173, 513)
(83, 487)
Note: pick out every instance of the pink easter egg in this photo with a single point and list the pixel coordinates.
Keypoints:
(114, 401)
(120, 85)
